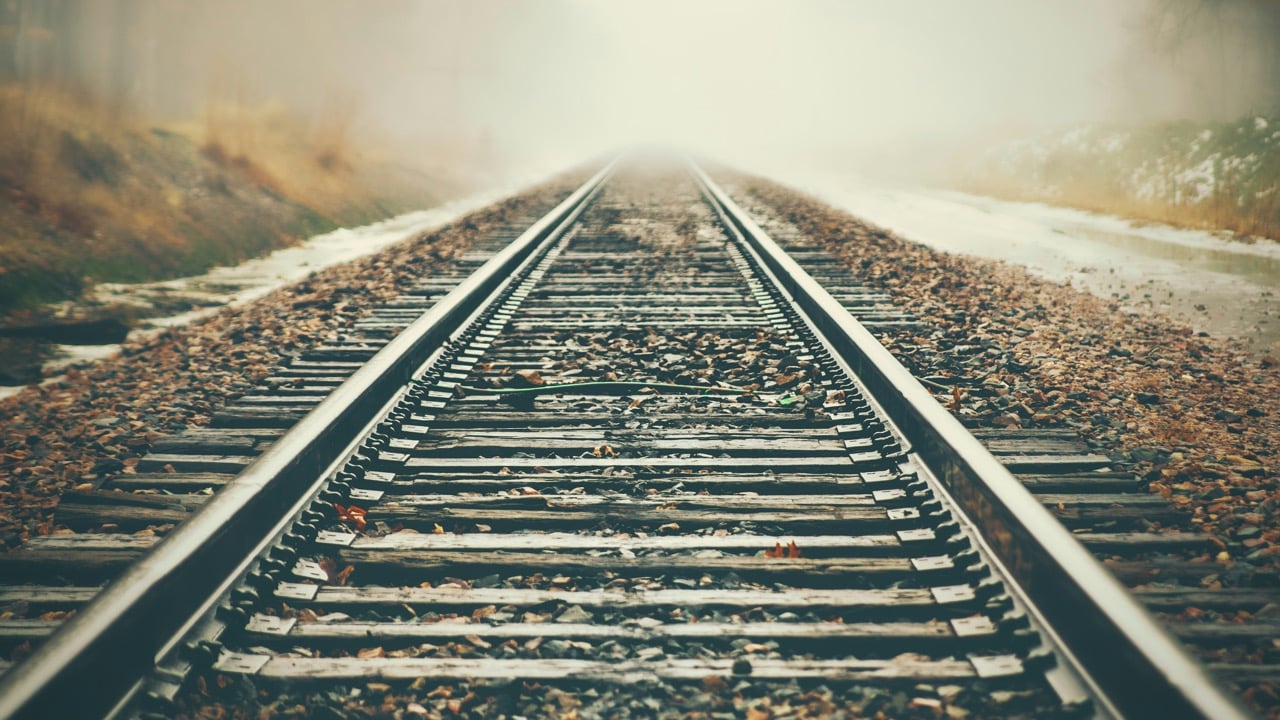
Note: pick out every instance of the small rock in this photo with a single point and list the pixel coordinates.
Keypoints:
(931, 704)
(488, 581)
(574, 614)
(527, 378)
(1008, 420)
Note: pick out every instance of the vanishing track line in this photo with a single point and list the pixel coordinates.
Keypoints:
(639, 459)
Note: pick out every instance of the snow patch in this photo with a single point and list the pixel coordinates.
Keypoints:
(1148, 268)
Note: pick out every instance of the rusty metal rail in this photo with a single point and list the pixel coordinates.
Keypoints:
(96, 660)
(1139, 667)
(758, 413)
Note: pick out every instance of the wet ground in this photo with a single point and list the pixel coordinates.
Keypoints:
(172, 303)
(1210, 282)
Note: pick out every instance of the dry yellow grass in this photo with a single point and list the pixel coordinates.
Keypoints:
(87, 194)
(1218, 213)
(1214, 176)
(312, 162)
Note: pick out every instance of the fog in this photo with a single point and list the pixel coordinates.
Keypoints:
(519, 87)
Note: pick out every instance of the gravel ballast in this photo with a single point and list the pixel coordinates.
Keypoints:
(100, 419)
(1193, 415)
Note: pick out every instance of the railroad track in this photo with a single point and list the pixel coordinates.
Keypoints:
(638, 459)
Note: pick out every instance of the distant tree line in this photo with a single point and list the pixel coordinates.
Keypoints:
(1229, 49)
(99, 46)
(171, 56)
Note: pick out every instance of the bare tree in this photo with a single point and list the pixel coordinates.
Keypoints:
(1232, 47)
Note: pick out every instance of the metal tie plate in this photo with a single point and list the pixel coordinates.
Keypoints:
(270, 624)
(240, 663)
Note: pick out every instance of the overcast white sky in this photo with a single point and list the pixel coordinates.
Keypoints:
(776, 78)
(810, 80)
(549, 82)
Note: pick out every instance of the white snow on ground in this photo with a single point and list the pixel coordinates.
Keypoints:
(242, 283)
(259, 276)
(1148, 268)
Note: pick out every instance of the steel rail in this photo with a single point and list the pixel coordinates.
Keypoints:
(97, 658)
(1140, 668)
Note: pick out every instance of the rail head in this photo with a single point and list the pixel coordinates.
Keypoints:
(95, 660)
(1138, 666)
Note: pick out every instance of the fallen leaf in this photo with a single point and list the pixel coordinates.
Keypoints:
(352, 514)
(791, 551)
(342, 577)
(532, 378)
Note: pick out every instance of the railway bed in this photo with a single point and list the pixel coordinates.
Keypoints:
(638, 459)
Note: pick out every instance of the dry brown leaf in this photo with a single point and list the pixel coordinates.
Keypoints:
(791, 551)
(532, 377)
(352, 514)
(342, 577)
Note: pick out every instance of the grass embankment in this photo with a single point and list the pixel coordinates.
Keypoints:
(1223, 176)
(88, 195)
